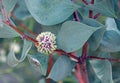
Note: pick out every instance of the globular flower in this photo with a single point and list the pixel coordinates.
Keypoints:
(46, 43)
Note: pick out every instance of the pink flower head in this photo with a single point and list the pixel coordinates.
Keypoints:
(46, 43)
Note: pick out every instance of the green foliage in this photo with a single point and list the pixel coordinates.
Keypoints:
(58, 17)
(21, 11)
(96, 37)
(62, 68)
(9, 5)
(12, 60)
(39, 63)
(46, 12)
(73, 35)
(117, 23)
(104, 7)
(102, 69)
(7, 32)
(42, 81)
(110, 41)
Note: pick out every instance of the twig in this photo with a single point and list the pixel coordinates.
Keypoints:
(83, 65)
(50, 63)
(100, 58)
(4, 12)
(90, 11)
(22, 25)
(24, 36)
(78, 74)
(76, 16)
(96, 16)
(61, 52)
(85, 2)
(7, 22)
(84, 50)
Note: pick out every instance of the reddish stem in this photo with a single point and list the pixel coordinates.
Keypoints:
(92, 1)
(84, 51)
(100, 58)
(82, 58)
(22, 25)
(85, 2)
(84, 72)
(50, 63)
(119, 4)
(7, 22)
(83, 65)
(96, 16)
(90, 13)
(4, 13)
(71, 55)
(76, 16)
(20, 32)
(78, 74)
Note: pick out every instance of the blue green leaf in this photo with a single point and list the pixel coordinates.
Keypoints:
(54, 28)
(39, 62)
(73, 35)
(12, 60)
(9, 5)
(21, 11)
(118, 23)
(42, 80)
(104, 7)
(102, 69)
(96, 37)
(7, 32)
(52, 12)
(62, 68)
(110, 41)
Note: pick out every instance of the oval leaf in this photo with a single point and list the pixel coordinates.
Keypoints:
(39, 63)
(96, 37)
(110, 41)
(62, 68)
(50, 12)
(102, 69)
(73, 35)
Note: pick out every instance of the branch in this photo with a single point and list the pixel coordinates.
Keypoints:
(100, 58)
(24, 36)
(84, 50)
(78, 74)
(4, 12)
(92, 1)
(7, 22)
(70, 55)
(85, 2)
(90, 11)
(22, 25)
(76, 16)
(83, 65)
(50, 63)
(96, 16)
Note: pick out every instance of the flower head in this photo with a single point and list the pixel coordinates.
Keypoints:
(46, 43)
